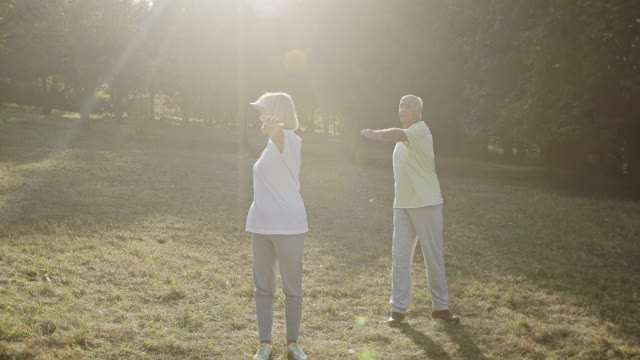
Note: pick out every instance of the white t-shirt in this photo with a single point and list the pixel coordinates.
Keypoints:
(277, 206)
(414, 169)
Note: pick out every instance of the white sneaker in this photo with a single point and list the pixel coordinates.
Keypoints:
(295, 353)
(263, 353)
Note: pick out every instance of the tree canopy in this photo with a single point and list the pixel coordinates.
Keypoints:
(554, 80)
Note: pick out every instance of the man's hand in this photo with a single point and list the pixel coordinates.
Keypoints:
(369, 134)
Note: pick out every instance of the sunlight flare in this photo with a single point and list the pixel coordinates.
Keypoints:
(267, 8)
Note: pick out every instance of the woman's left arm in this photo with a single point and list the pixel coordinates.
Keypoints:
(273, 128)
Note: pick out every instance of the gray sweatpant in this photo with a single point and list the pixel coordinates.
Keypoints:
(269, 253)
(422, 224)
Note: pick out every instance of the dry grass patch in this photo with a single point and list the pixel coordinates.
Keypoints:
(126, 241)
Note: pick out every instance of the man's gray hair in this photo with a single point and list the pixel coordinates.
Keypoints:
(417, 99)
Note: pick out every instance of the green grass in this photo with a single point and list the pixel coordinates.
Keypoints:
(126, 241)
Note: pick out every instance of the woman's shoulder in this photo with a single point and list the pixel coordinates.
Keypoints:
(291, 135)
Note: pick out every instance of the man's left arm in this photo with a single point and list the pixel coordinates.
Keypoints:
(385, 135)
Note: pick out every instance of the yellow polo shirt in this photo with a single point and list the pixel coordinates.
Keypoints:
(414, 169)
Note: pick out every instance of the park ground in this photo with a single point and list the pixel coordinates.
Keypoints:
(125, 240)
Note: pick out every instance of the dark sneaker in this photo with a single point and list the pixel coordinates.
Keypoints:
(446, 316)
(395, 319)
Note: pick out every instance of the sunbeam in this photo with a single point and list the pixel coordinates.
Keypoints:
(123, 59)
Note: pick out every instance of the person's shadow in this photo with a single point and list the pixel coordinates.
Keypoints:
(468, 349)
(431, 349)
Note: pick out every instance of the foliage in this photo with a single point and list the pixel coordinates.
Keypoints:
(559, 79)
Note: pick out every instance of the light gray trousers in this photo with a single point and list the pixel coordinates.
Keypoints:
(422, 224)
(271, 252)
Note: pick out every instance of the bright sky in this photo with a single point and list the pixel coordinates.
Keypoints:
(261, 7)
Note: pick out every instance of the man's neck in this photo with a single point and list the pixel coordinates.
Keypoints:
(409, 124)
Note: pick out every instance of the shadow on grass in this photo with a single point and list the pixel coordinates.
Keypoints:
(431, 349)
(27, 139)
(468, 348)
(113, 172)
(569, 246)
(560, 182)
(579, 249)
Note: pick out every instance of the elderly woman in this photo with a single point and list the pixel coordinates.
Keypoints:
(277, 222)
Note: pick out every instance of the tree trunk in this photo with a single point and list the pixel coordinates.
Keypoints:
(131, 100)
(325, 123)
(334, 124)
(116, 101)
(521, 151)
(84, 93)
(456, 138)
(609, 158)
(211, 113)
(46, 98)
(185, 113)
(85, 105)
(310, 125)
(152, 104)
(632, 150)
(507, 148)
(477, 147)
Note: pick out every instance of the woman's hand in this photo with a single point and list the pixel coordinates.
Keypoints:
(273, 128)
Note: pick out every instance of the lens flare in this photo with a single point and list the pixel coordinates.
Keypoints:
(295, 61)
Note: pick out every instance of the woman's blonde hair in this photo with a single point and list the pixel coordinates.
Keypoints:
(280, 105)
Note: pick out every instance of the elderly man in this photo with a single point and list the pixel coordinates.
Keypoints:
(417, 211)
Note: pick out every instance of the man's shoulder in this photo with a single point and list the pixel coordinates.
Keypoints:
(418, 131)
(418, 127)
(422, 126)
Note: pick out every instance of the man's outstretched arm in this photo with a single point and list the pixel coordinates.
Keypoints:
(387, 135)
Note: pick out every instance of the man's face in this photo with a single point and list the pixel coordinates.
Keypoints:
(408, 111)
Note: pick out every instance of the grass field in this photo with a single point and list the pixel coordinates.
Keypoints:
(125, 240)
